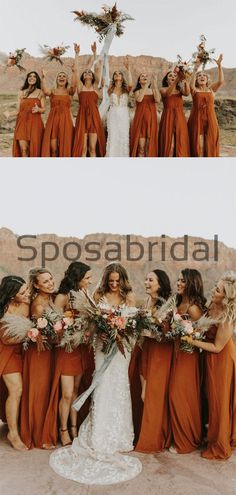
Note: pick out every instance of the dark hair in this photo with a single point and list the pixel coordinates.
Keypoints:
(82, 77)
(125, 287)
(165, 81)
(73, 276)
(138, 84)
(37, 85)
(9, 287)
(124, 86)
(194, 288)
(164, 291)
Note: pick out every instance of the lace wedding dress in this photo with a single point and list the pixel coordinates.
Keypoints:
(118, 123)
(94, 457)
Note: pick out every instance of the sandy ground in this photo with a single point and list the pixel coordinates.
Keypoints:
(163, 474)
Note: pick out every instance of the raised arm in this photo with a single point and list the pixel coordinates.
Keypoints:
(78, 83)
(127, 66)
(156, 94)
(46, 91)
(193, 77)
(185, 90)
(140, 93)
(61, 301)
(215, 86)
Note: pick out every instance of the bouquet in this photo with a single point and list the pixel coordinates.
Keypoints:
(181, 327)
(102, 22)
(14, 329)
(46, 330)
(203, 55)
(76, 332)
(13, 59)
(183, 68)
(54, 53)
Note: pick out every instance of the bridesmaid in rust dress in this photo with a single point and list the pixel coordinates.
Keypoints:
(221, 370)
(173, 130)
(89, 133)
(58, 135)
(69, 367)
(184, 395)
(29, 128)
(155, 434)
(203, 126)
(37, 368)
(14, 300)
(144, 130)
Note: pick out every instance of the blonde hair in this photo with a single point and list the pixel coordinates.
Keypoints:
(229, 301)
(205, 74)
(33, 279)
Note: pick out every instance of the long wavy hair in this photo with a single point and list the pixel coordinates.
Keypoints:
(164, 291)
(26, 85)
(33, 279)
(138, 85)
(229, 302)
(82, 77)
(124, 85)
(194, 288)
(165, 81)
(9, 287)
(125, 287)
(73, 276)
(208, 79)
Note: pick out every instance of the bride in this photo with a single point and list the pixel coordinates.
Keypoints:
(95, 457)
(118, 120)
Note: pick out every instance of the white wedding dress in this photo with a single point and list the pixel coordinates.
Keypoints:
(118, 124)
(94, 457)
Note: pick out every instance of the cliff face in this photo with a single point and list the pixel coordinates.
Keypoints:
(138, 254)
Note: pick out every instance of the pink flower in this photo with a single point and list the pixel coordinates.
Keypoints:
(67, 322)
(177, 316)
(57, 327)
(33, 334)
(120, 322)
(187, 327)
(41, 323)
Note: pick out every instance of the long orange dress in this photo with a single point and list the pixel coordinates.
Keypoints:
(173, 124)
(37, 380)
(155, 434)
(59, 126)
(29, 127)
(203, 121)
(185, 401)
(10, 362)
(136, 389)
(88, 121)
(221, 394)
(145, 125)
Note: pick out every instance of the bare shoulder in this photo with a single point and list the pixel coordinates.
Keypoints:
(195, 312)
(61, 301)
(36, 309)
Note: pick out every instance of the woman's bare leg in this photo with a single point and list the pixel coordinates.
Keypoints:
(13, 383)
(67, 387)
(85, 146)
(92, 144)
(141, 147)
(24, 148)
(73, 413)
(54, 148)
(143, 384)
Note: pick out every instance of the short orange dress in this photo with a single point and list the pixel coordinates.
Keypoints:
(203, 122)
(88, 121)
(59, 126)
(173, 124)
(221, 394)
(11, 360)
(29, 127)
(155, 434)
(145, 125)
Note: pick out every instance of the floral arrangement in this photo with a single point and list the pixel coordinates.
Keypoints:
(102, 22)
(183, 68)
(54, 53)
(47, 330)
(76, 332)
(203, 55)
(13, 59)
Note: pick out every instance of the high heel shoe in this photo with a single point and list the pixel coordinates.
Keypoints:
(63, 430)
(74, 428)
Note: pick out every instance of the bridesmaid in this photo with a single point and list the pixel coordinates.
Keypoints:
(37, 368)
(203, 126)
(28, 133)
(89, 132)
(144, 130)
(173, 130)
(155, 434)
(14, 300)
(221, 370)
(58, 135)
(184, 396)
(69, 367)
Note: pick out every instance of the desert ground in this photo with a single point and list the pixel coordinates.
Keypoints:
(162, 474)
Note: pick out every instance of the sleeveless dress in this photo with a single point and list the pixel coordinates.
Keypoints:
(145, 125)
(203, 121)
(59, 126)
(94, 457)
(118, 124)
(173, 122)
(88, 121)
(11, 361)
(221, 394)
(29, 127)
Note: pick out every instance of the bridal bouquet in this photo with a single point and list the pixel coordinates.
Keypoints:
(13, 59)
(183, 68)
(76, 332)
(54, 53)
(203, 55)
(103, 21)
(47, 330)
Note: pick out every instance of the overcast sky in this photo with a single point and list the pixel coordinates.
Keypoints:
(147, 197)
(161, 27)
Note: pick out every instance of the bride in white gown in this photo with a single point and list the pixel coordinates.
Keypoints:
(118, 119)
(94, 457)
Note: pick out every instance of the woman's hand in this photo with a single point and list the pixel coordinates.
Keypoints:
(188, 339)
(43, 74)
(126, 62)
(94, 47)
(36, 109)
(6, 114)
(218, 61)
(197, 64)
(77, 48)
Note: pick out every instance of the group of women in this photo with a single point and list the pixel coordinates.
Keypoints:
(175, 138)
(158, 397)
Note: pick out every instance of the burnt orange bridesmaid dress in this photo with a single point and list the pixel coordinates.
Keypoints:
(203, 122)
(221, 394)
(185, 401)
(10, 362)
(37, 380)
(173, 125)
(155, 434)
(59, 126)
(88, 121)
(145, 125)
(29, 127)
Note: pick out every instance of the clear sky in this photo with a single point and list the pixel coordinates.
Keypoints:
(162, 27)
(149, 197)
